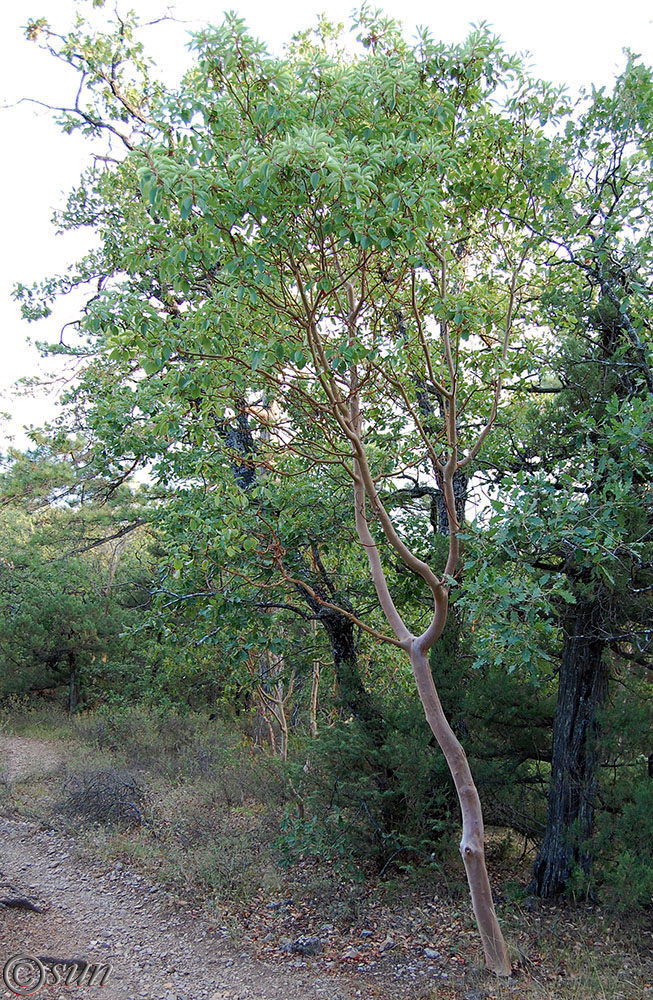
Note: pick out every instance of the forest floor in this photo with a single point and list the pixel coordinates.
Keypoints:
(108, 908)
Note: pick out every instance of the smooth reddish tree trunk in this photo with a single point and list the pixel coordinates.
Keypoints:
(472, 844)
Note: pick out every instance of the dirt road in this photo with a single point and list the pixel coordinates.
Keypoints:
(113, 916)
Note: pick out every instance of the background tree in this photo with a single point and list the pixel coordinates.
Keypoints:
(578, 461)
(76, 575)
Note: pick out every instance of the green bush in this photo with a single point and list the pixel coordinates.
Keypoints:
(384, 794)
(623, 844)
(368, 796)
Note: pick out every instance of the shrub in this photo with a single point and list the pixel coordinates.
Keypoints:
(384, 798)
(104, 796)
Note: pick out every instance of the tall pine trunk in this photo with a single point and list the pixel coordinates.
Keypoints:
(582, 686)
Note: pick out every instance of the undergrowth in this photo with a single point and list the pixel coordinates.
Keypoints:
(191, 802)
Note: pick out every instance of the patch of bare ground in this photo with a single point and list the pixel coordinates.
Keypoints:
(155, 948)
(23, 757)
(418, 945)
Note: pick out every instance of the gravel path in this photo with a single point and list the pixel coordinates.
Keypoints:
(156, 949)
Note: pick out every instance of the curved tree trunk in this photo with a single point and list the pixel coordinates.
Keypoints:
(582, 686)
(472, 844)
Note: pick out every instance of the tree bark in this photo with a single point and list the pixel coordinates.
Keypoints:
(353, 695)
(582, 687)
(440, 516)
(239, 442)
(472, 844)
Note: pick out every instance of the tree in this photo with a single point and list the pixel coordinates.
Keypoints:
(607, 302)
(328, 244)
(75, 568)
(578, 464)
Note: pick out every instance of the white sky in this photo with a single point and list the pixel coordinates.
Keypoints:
(575, 42)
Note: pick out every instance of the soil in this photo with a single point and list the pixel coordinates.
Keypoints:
(111, 916)
(24, 757)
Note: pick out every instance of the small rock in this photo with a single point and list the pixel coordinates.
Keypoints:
(352, 953)
(306, 946)
(388, 944)
(431, 953)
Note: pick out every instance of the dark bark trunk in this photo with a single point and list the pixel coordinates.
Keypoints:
(354, 696)
(241, 448)
(583, 673)
(440, 521)
(581, 690)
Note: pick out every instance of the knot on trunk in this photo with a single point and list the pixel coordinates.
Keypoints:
(470, 851)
